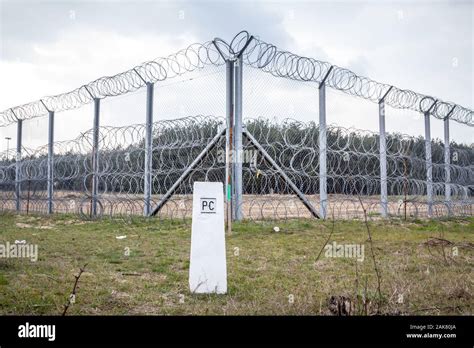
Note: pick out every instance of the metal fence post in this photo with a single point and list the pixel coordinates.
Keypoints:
(238, 188)
(429, 165)
(148, 148)
(383, 160)
(229, 139)
(323, 193)
(50, 161)
(95, 155)
(323, 190)
(19, 134)
(383, 156)
(447, 182)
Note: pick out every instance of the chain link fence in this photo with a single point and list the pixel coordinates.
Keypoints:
(244, 113)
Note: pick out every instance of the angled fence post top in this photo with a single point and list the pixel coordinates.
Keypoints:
(255, 53)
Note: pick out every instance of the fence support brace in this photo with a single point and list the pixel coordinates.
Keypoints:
(265, 154)
(188, 170)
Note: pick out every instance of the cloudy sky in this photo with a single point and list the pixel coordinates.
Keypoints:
(49, 47)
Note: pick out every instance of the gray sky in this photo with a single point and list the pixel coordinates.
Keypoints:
(49, 47)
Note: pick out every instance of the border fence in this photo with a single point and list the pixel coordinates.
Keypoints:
(233, 128)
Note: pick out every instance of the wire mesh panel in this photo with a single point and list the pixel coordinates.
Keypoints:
(177, 145)
(32, 176)
(190, 111)
(71, 158)
(353, 156)
(281, 115)
(408, 170)
(200, 92)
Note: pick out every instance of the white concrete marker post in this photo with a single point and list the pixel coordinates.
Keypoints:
(208, 268)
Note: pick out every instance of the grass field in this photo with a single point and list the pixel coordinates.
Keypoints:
(425, 267)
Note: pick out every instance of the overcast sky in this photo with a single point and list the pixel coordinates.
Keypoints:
(49, 47)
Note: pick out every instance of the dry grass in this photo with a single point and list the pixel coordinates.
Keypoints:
(268, 268)
(254, 207)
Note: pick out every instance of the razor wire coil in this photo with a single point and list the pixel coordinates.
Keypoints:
(257, 54)
(352, 163)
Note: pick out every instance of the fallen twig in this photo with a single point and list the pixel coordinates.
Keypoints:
(131, 274)
(73, 294)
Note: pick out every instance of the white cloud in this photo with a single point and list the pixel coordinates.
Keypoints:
(75, 58)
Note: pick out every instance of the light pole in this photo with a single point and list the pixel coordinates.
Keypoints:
(8, 145)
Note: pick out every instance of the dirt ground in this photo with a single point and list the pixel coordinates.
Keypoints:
(254, 207)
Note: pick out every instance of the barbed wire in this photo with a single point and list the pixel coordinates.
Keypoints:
(257, 54)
